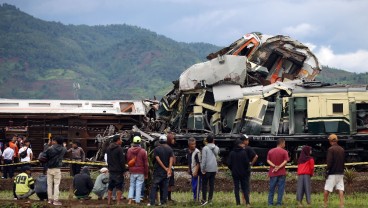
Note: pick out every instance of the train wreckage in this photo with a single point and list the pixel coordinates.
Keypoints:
(260, 85)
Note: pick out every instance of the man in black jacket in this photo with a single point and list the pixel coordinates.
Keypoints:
(83, 184)
(54, 155)
(116, 166)
(238, 163)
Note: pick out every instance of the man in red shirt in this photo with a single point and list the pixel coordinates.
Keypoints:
(277, 159)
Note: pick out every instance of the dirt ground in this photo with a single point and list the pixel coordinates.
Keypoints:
(259, 183)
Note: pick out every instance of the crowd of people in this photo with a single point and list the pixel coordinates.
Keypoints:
(202, 166)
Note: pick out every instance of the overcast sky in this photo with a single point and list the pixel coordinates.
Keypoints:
(336, 30)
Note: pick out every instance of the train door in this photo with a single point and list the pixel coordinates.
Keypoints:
(313, 111)
(254, 117)
(353, 117)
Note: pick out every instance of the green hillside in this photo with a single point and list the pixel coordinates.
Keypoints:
(333, 75)
(40, 59)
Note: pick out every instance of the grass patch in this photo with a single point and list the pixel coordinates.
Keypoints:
(222, 199)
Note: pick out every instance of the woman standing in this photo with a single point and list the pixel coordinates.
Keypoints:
(305, 172)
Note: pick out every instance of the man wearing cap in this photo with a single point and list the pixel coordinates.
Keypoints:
(164, 157)
(116, 166)
(101, 183)
(138, 169)
(23, 184)
(335, 170)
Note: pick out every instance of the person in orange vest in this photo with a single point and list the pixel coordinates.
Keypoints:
(13, 145)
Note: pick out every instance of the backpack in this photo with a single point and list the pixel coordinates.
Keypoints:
(23, 154)
(42, 157)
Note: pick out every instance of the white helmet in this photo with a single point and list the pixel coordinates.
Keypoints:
(163, 138)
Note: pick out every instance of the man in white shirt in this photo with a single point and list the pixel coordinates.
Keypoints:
(27, 148)
(8, 156)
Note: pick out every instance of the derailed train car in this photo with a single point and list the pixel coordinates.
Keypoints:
(76, 120)
(263, 86)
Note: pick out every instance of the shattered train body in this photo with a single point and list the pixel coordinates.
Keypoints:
(263, 86)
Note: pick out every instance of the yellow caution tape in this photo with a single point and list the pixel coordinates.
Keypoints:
(85, 163)
(179, 167)
(287, 167)
(20, 163)
(64, 161)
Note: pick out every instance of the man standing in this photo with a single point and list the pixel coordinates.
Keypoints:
(209, 168)
(335, 170)
(8, 156)
(171, 142)
(194, 169)
(13, 145)
(78, 155)
(277, 159)
(138, 171)
(54, 155)
(26, 148)
(252, 156)
(116, 166)
(164, 157)
(239, 165)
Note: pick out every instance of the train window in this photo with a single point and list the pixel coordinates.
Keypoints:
(246, 50)
(71, 105)
(209, 98)
(39, 104)
(102, 105)
(337, 108)
(9, 104)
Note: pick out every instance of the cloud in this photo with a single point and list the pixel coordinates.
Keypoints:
(352, 62)
(301, 30)
(211, 19)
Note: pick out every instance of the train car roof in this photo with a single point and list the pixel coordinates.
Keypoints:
(97, 107)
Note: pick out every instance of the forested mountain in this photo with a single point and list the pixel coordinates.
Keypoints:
(40, 59)
(333, 75)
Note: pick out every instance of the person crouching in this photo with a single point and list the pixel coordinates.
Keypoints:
(101, 184)
(23, 184)
(83, 184)
(41, 186)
